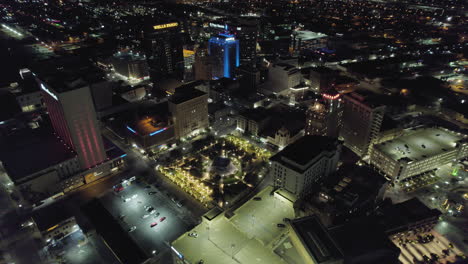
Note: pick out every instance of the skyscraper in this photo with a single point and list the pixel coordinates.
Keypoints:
(163, 47)
(362, 119)
(225, 54)
(246, 33)
(325, 116)
(73, 117)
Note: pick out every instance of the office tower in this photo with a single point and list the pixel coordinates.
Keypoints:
(362, 119)
(189, 109)
(305, 163)
(325, 116)
(73, 117)
(203, 66)
(163, 46)
(321, 79)
(246, 33)
(225, 53)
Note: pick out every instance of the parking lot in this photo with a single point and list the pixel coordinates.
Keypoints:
(130, 207)
(439, 249)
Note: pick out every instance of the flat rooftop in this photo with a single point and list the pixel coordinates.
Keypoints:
(119, 240)
(51, 215)
(316, 239)
(308, 35)
(247, 237)
(185, 93)
(305, 149)
(148, 125)
(29, 151)
(421, 143)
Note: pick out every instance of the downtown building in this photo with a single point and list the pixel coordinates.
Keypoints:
(418, 151)
(225, 54)
(163, 46)
(325, 116)
(130, 66)
(73, 117)
(189, 109)
(362, 119)
(246, 32)
(305, 163)
(66, 149)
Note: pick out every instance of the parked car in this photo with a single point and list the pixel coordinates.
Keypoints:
(131, 229)
(193, 234)
(154, 224)
(162, 219)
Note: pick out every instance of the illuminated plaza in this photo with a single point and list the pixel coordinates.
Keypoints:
(219, 170)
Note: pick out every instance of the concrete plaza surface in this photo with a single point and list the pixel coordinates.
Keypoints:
(250, 236)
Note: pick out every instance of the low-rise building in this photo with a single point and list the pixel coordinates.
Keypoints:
(417, 151)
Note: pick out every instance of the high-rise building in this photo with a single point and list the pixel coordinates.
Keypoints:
(203, 66)
(189, 109)
(246, 33)
(325, 116)
(362, 119)
(321, 79)
(305, 163)
(164, 49)
(225, 54)
(71, 110)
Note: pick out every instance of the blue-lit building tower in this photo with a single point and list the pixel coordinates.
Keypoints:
(225, 54)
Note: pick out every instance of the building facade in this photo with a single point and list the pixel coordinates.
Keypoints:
(225, 53)
(305, 163)
(131, 66)
(418, 151)
(164, 49)
(325, 117)
(361, 122)
(73, 117)
(189, 109)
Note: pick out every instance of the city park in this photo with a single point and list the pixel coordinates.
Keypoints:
(218, 169)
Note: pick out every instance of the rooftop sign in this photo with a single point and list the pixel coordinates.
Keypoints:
(168, 25)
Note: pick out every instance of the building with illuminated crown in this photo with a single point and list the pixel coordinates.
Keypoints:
(325, 116)
(225, 53)
(71, 110)
(164, 49)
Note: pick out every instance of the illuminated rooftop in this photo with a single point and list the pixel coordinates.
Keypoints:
(148, 125)
(421, 143)
(247, 237)
(308, 35)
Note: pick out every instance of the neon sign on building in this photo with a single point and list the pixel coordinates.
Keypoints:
(48, 91)
(168, 25)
